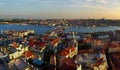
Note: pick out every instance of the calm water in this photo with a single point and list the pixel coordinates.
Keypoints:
(92, 30)
(39, 29)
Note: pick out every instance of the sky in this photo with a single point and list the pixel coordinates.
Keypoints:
(70, 9)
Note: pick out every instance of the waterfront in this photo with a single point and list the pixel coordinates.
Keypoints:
(92, 29)
(40, 29)
(41, 51)
(59, 35)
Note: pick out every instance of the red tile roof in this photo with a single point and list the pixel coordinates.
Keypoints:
(67, 64)
(70, 47)
(31, 43)
(114, 45)
(27, 54)
(65, 51)
(41, 44)
(53, 42)
(15, 45)
(106, 45)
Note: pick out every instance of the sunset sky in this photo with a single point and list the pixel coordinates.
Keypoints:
(60, 9)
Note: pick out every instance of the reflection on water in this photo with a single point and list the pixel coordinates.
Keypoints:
(39, 29)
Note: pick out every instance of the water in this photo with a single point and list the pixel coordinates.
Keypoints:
(92, 30)
(39, 29)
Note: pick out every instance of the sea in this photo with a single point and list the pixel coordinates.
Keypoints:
(41, 29)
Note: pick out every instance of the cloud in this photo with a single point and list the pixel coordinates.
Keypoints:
(85, 4)
(102, 1)
(89, 0)
(99, 1)
(116, 3)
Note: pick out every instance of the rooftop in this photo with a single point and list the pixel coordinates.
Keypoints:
(68, 64)
(53, 42)
(90, 58)
(27, 54)
(66, 51)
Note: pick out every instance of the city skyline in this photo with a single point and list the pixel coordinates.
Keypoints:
(69, 9)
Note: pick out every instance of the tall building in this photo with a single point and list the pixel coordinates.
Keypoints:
(74, 42)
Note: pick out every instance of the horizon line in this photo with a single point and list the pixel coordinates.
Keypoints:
(62, 18)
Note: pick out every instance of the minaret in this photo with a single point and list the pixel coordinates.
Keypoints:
(74, 42)
(73, 37)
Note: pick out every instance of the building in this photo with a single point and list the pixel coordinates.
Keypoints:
(28, 54)
(38, 49)
(71, 50)
(114, 47)
(68, 52)
(93, 61)
(68, 64)
(18, 64)
(15, 52)
(74, 43)
(55, 42)
(4, 61)
(53, 59)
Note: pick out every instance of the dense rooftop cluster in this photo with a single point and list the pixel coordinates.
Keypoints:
(25, 50)
(64, 22)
